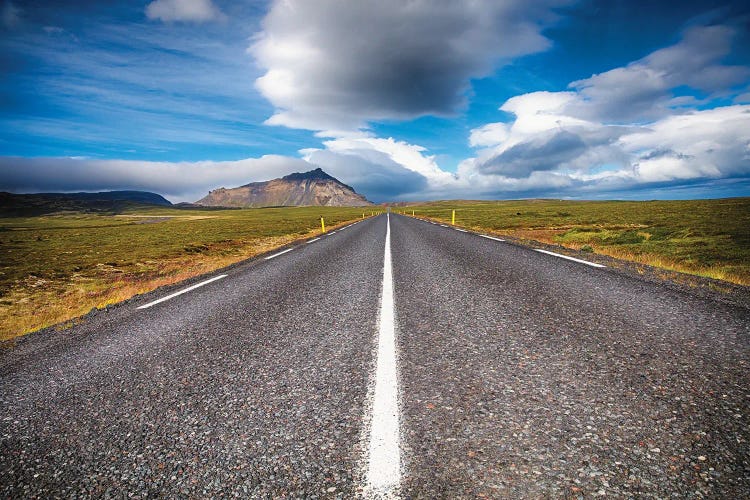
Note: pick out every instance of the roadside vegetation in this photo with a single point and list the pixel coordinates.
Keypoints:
(709, 238)
(57, 267)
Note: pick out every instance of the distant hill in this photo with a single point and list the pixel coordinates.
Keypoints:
(108, 201)
(299, 189)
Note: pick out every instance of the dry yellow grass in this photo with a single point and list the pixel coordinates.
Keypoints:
(41, 303)
(551, 237)
(54, 285)
(709, 238)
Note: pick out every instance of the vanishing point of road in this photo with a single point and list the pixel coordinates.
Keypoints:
(392, 358)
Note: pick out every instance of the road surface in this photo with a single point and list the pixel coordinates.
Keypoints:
(393, 358)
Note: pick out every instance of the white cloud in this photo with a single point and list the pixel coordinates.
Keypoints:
(707, 144)
(409, 156)
(381, 168)
(334, 65)
(491, 134)
(371, 173)
(710, 143)
(196, 11)
(642, 90)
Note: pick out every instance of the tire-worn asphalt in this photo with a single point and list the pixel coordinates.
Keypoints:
(522, 375)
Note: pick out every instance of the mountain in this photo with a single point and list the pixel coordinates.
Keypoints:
(44, 203)
(309, 188)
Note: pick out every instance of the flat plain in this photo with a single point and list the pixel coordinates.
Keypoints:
(709, 238)
(57, 267)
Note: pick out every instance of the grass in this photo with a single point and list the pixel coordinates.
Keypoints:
(57, 267)
(708, 238)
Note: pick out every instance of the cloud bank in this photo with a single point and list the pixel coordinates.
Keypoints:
(178, 181)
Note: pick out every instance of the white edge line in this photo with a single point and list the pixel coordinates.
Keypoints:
(197, 285)
(592, 264)
(462, 230)
(383, 452)
(314, 239)
(490, 237)
(280, 253)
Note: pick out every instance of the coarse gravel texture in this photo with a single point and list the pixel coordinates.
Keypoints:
(250, 386)
(525, 376)
(522, 375)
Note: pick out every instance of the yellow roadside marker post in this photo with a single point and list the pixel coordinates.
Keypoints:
(453, 218)
(322, 224)
(412, 213)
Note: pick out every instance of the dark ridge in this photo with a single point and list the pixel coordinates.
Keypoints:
(43, 203)
(134, 196)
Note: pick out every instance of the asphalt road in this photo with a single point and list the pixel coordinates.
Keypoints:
(519, 374)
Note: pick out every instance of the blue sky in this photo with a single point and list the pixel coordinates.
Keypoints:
(402, 100)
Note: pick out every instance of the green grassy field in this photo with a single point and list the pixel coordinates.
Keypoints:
(56, 267)
(704, 237)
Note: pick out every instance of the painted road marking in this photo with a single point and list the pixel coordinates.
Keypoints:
(384, 455)
(280, 253)
(443, 225)
(490, 237)
(197, 285)
(314, 239)
(593, 264)
(462, 230)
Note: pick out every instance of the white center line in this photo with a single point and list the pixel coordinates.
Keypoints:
(383, 454)
(570, 258)
(314, 239)
(490, 237)
(197, 285)
(280, 253)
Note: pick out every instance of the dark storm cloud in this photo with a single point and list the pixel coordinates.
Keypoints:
(333, 65)
(540, 153)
